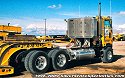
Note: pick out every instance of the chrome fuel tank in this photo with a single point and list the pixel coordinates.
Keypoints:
(84, 54)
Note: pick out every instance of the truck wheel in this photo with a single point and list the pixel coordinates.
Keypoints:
(16, 61)
(51, 52)
(121, 39)
(60, 59)
(26, 62)
(107, 55)
(38, 62)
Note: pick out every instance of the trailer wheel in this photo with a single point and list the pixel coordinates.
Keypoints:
(107, 55)
(26, 62)
(38, 62)
(16, 61)
(60, 59)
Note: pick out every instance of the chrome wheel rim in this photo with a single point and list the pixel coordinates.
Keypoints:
(61, 60)
(41, 62)
(109, 55)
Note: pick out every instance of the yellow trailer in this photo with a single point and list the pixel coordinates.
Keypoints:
(10, 54)
(4, 28)
(5, 31)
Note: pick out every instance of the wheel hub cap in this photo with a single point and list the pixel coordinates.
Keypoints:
(61, 60)
(41, 62)
(109, 55)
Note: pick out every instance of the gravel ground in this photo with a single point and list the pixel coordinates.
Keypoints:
(93, 66)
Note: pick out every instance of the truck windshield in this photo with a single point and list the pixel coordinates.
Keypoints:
(107, 28)
(107, 23)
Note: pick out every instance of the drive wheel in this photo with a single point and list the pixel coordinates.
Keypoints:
(26, 62)
(60, 59)
(38, 62)
(107, 55)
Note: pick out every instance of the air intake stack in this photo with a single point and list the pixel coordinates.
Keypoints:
(100, 19)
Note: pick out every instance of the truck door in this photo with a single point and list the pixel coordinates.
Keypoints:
(107, 32)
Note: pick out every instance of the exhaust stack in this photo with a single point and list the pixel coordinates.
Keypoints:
(8, 24)
(100, 19)
(99, 10)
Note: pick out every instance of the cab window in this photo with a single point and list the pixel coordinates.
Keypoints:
(107, 23)
(107, 28)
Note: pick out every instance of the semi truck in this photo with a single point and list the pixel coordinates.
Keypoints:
(91, 37)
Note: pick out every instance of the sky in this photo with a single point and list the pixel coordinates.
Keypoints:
(30, 14)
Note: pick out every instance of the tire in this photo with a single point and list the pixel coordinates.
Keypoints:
(57, 58)
(17, 67)
(107, 55)
(16, 62)
(50, 57)
(51, 52)
(26, 62)
(35, 65)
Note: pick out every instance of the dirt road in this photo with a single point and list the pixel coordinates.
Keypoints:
(93, 66)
